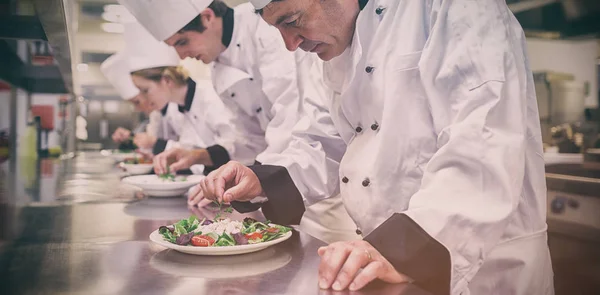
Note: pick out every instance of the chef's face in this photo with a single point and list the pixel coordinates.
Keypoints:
(325, 27)
(141, 104)
(156, 94)
(206, 45)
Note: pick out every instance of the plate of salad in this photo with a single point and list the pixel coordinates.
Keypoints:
(164, 185)
(220, 237)
(137, 165)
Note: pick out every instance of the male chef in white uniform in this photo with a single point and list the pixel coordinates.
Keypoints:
(266, 86)
(161, 126)
(443, 171)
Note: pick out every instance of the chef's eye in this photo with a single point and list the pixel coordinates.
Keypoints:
(293, 23)
(181, 42)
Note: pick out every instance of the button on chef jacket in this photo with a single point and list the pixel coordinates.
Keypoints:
(443, 169)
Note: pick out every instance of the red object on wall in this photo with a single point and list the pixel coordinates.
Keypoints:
(46, 114)
(4, 86)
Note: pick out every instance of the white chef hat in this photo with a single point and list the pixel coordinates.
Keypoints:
(145, 52)
(164, 18)
(116, 70)
(260, 4)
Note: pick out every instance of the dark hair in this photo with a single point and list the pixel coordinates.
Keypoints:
(217, 6)
(260, 11)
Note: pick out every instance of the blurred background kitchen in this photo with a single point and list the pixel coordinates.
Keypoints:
(55, 102)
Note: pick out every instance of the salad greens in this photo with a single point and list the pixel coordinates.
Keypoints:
(189, 232)
(168, 176)
(228, 210)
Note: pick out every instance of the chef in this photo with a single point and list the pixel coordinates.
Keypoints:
(265, 85)
(207, 123)
(443, 171)
(159, 127)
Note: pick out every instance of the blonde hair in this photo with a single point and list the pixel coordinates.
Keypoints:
(177, 74)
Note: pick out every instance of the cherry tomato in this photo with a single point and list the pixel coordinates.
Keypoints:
(254, 236)
(202, 241)
(272, 230)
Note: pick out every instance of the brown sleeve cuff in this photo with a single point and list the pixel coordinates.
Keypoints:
(159, 146)
(218, 155)
(413, 252)
(285, 204)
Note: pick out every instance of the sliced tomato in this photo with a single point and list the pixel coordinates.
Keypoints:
(272, 230)
(254, 236)
(202, 241)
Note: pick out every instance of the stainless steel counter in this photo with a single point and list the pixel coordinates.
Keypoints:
(71, 227)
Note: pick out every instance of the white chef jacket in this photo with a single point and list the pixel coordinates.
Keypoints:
(171, 122)
(267, 88)
(256, 78)
(206, 122)
(443, 168)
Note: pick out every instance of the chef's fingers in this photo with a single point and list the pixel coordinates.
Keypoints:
(371, 272)
(357, 259)
(225, 176)
(331, 263)
(204, 202)
(156, 164)
(240, 192)
(322, 250)
(195, 197)
(194, 191)
(161, 162)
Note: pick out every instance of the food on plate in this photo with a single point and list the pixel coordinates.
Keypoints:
(137, 160)
(221, 233)
(170, 177)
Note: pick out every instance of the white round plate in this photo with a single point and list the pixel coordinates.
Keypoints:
(153, 186)
(217, 251)
(220, 267)
(137, 169)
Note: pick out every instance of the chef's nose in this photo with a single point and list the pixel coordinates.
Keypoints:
(182, 52)
(292, 39)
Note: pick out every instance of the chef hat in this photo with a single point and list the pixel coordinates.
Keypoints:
(260, 4)
(116, 70)
(144, 51)
(164, 18)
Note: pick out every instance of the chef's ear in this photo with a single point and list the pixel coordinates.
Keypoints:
(208, 17)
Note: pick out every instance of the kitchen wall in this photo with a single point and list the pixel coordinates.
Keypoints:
(579, 58)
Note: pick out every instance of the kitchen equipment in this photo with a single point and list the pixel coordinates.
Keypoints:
(560, 100)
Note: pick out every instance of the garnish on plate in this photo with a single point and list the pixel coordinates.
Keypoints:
(221, 233)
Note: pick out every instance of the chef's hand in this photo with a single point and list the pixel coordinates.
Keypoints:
(341, 265)
(231, 182)
(144, 140)
(120, 135)
(176, 159)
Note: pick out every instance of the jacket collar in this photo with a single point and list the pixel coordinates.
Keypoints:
(228, 22)
(163, 111)
(362, 4)
(189, 96)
